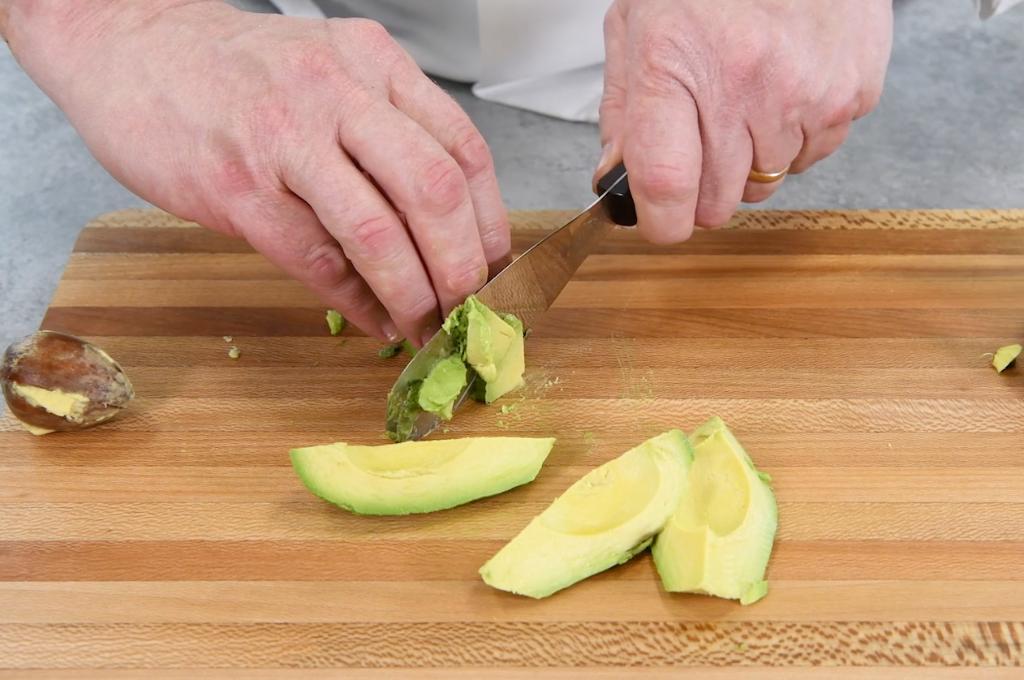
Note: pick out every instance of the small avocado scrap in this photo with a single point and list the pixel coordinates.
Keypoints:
(414, 477)
(442, 386)
(604, 519)
(1005, 357)
(388, 351)
(335, 321)
(720, 537)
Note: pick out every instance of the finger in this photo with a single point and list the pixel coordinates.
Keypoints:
(287, 232)
(727, 155)
(372, 236)
(427, 185)
(662, 150)
(819, 146)
(612, 112)
(775, 147)
(436, 112)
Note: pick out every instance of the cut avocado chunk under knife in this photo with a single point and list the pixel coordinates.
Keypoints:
(602, 520)
(487, 345)
(719, 539)
(411, 477)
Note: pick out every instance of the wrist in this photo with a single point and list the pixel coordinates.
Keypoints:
(52, 39)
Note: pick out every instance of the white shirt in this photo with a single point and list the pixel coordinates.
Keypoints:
(542, 55)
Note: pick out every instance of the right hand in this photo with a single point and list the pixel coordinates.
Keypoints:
(318, 141)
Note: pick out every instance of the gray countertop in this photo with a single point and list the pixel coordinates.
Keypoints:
(949, 133)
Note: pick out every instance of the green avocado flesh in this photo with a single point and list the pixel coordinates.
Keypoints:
(719, 539)
(1005, 357)
(489, 349)
(442, 387)
(602, 520)
(400, 479)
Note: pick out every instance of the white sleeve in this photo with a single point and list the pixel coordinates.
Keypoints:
(988, 8)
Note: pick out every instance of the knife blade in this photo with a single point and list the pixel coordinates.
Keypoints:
(527, 288)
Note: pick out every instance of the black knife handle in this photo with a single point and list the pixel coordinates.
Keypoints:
(619, 202)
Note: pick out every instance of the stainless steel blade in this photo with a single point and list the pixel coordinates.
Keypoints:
(527, 288)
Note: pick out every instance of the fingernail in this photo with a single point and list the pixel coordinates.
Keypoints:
(390, 331)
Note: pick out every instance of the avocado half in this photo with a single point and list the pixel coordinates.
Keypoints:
(602, 520)
(720, 537)
(423, 476)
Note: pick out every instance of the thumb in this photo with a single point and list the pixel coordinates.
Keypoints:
(613, 100)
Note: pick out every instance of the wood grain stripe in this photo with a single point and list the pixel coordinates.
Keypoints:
(101, 449)
(303, 517)
(345, 559)
(475, 672)
(473, 601)
(559, 645)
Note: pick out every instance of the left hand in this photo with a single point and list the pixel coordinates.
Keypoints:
(698, 93)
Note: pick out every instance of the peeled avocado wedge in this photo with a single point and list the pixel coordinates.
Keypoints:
(424, 476)
(602, 520)
(719, 539)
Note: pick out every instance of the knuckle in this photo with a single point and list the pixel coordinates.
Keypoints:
(373, 235)
(712, 214)
(467, 277)
(325, 266)
(441, 187)
(661, 56)
(664, 183)
(471, 152)
(372, 33)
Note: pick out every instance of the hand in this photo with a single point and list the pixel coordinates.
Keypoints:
(699, 93)
(319, 142)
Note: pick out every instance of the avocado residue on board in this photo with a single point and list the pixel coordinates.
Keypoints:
(1006, 357)
(486, 353)
(335, 321)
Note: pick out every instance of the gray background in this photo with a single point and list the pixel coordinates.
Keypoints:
(948, 134)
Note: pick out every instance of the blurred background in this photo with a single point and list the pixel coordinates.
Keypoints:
(949, 133)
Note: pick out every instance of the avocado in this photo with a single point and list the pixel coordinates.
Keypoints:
(400, 479)
(602, 520)
(442, 387)
(491, 344)
(720, 537)
(489, 347)
(1005, 357)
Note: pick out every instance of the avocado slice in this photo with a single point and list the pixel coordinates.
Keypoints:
(720, 537)
(602, 520)
(424, 476)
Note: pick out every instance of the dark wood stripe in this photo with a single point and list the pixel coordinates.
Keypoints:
(567, 322)
(719, 242)
(458, 560)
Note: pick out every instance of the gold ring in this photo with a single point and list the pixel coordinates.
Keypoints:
(767, 177)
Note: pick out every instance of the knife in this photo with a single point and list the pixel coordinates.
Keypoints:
(527, 287)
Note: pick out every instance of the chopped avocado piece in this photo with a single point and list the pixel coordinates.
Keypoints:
(1005, 357)
(602, 520)
(720, 537)
(424, 476)
(403, 412)
(442, 387)
(234, 352)
(408, 347)
(335, 321)
(494, 348)
(388, 351)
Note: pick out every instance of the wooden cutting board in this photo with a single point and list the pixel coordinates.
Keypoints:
(846, 350)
